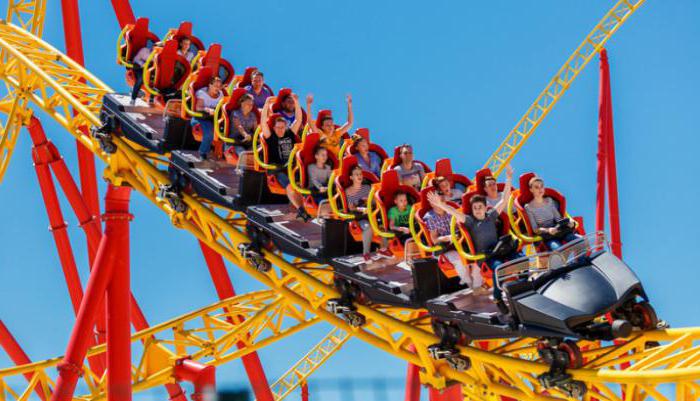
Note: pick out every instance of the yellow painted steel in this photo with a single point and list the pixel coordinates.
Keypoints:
(16, 115)
(309, 363)
(418, 234)
(560, 83)
(55, 84)
(27, 14)
(294, 171)
(374, 209)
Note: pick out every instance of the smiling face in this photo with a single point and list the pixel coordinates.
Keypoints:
(257, 81)
(327, 125)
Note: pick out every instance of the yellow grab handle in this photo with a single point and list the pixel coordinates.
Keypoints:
(187, 97)
(514, 223)
(219, 121)
(293, 167)
(372, 214)
(256, 152)
(121, 60)
(334, 202)
(148, 70)
(458, 239)
(416, 234)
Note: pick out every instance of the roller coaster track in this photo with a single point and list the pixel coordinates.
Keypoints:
(50, 81)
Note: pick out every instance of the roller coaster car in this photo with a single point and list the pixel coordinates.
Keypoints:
(317, 240)
(246, 79)
(133, 38)
(301, 158)
(155, 128)
(443, 168)
(519, 222)
(164, 72)
(211, 58)
(551, 296)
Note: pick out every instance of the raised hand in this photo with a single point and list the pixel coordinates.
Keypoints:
(309, 98)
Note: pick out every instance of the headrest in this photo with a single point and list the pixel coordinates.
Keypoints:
(390, 185)
(481, 179)
(165, 61)
(525, 195)
(373, 147)
(281, 96)
(201, 78)
(247, 77)
(322, 115)
(212, 56)
(222, 68)
(424, 203)
(138, 35)
(234, 98)
(185, 31)
(309, 147)
(443, 168)
(349, 162)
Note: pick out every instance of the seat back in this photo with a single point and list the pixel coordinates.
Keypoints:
(133, 38)
(277, 105)
(480, 181)
(396, 160)
(388, 187)
(342, 181)
(223, 115)
(306, 156)
(443, 168)
(185, 30)
(523, 196)
(160, 72)
(373, 147)
(212, 58)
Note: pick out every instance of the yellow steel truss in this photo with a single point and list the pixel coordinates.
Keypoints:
(52, 82)
(309, 363)
(560, 83)
(27, 14)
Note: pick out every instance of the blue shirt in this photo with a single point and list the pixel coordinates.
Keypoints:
(374, 165)
(259, 98)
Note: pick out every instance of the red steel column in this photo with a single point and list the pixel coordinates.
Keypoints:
(611, 168)
(17, 354)
(224, 288)
(452, 393)
(123, 11)
(601, 163)
(413, 388)
(70, 368)
(117, 220)
(202, 376)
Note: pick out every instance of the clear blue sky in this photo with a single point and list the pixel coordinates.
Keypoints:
(450, 77)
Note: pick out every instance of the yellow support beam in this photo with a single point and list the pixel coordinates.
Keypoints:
(560, 83)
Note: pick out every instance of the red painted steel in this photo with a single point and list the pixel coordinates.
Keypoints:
(224, 288)
(118, 297)
(123, 11)
(17, 354)
(452, 393)
(413, 387)
(203, 377)
(305, 392)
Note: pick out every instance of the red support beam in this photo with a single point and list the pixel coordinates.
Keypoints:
(452, 393)
(69, 370)
(203, 377)
(117, 218)
(18, 356)
(123, 11)
(413, 388)
(224, 288)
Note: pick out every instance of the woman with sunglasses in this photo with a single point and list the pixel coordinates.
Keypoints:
(545, 219)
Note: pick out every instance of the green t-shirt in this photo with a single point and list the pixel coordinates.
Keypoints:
(399, 218)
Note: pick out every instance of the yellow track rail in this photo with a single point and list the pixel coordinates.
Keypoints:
(52, 82)
(560, 83)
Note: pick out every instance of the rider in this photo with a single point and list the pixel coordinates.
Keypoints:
(207, 99)
(138, 62)
(244, 123)
(491, 189)
(399, 215)
(437, 220)
(183, 48)
(279, 147)
(319, 172)
(356, 195)
(369, 161)
(482, 225)
(444, 188)
(543, 214)
(325, 125)
(410, 172)
(257, 89)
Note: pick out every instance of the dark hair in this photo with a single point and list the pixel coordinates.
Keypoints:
(318, 148)
(245, 97)
(438, 180)
(356, 167)
(357, 138)
(399, 193)
(489, 178)
(214, 79)
(478, 199)
(182, 39)
(404, 146)
(256, 73)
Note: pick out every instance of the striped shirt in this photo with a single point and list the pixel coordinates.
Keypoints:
(544, 216)
(356, 198)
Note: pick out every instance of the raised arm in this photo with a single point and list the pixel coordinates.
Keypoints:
(309, 113)
(437, 202)
(348, 124)
(501, 205)
(264, 115)
(297, 114)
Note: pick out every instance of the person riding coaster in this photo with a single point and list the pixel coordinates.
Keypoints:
(557, 297)
(538, 215)
(411, 171)
(164, 73)
(212, 58)
(450, 184)
(134, 44)
(370, 156)
(309, 170)
(325, 126)
(236, 119)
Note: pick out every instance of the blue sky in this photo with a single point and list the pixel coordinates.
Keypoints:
(450, 77)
